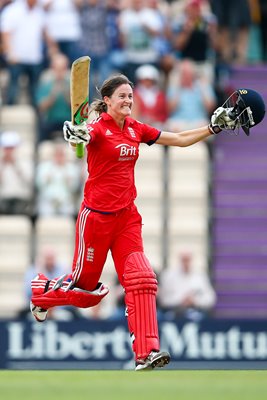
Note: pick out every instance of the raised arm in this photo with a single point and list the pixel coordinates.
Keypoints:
(185, 138)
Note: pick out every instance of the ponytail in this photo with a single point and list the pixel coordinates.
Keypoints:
(97, 107)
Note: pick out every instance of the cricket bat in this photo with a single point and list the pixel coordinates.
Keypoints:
(79, 94)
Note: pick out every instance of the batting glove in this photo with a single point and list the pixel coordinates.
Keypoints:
(221, 118)
(76, 133)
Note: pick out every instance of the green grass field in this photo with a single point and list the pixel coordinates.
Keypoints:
(130, 385)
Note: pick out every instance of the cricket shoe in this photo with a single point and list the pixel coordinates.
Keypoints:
(39, 313)
(155, 359)
(39, 285)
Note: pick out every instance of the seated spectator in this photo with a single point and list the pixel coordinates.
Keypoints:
(47, 263)
(16, 176)
(150, 105)
(57, 183)
(53, 97)
(190, 99)
(184, 292)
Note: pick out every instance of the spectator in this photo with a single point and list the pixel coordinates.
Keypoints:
(195, 36)
(57, 183)
(53, 97)
(94, 40)
(23, 34)
(234, 21)
(16, 176)
(150, 105)
(139, 26)
(63, 25)
(190, 99)
(184, 292)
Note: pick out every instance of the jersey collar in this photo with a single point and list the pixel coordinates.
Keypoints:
(107, 117)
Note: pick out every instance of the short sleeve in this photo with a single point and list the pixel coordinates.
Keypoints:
(149, 134)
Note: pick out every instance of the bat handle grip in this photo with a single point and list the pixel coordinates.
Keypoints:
(79, 150)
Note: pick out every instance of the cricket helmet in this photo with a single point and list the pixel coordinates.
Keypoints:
(247, 108)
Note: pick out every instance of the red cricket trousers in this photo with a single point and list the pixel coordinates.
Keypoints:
(96, 234)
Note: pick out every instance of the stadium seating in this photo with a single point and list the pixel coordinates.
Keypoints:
(188, 202)
(149, 183)
(20, 118)
(185, 203)
(15, 250)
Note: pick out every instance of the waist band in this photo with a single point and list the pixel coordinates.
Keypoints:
(100, 212)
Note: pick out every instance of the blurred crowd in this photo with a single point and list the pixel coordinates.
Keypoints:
(122, 35)
(178, 53)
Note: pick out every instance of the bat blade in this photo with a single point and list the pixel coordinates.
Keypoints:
(79, 94)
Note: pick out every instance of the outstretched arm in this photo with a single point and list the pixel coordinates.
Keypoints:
(220, 120)
(185, 138)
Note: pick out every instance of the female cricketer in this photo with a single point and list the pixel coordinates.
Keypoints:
(109, 220)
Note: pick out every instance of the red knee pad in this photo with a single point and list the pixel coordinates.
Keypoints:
(74, 297)
(140, 284)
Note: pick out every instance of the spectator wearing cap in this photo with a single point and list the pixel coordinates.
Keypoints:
(150, 105)
(16, 176)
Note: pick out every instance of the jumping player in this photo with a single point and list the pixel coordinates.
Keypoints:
(109, 220)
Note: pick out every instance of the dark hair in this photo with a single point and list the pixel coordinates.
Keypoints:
(107, 89)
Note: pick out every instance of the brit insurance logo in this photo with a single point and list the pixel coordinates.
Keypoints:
(127, 152)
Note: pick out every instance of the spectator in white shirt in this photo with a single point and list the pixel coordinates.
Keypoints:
(185, 292)
(16, 176)
(63, 25)
(23, 38)
(58, 183)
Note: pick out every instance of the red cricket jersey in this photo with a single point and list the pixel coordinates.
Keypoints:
(112, 154)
